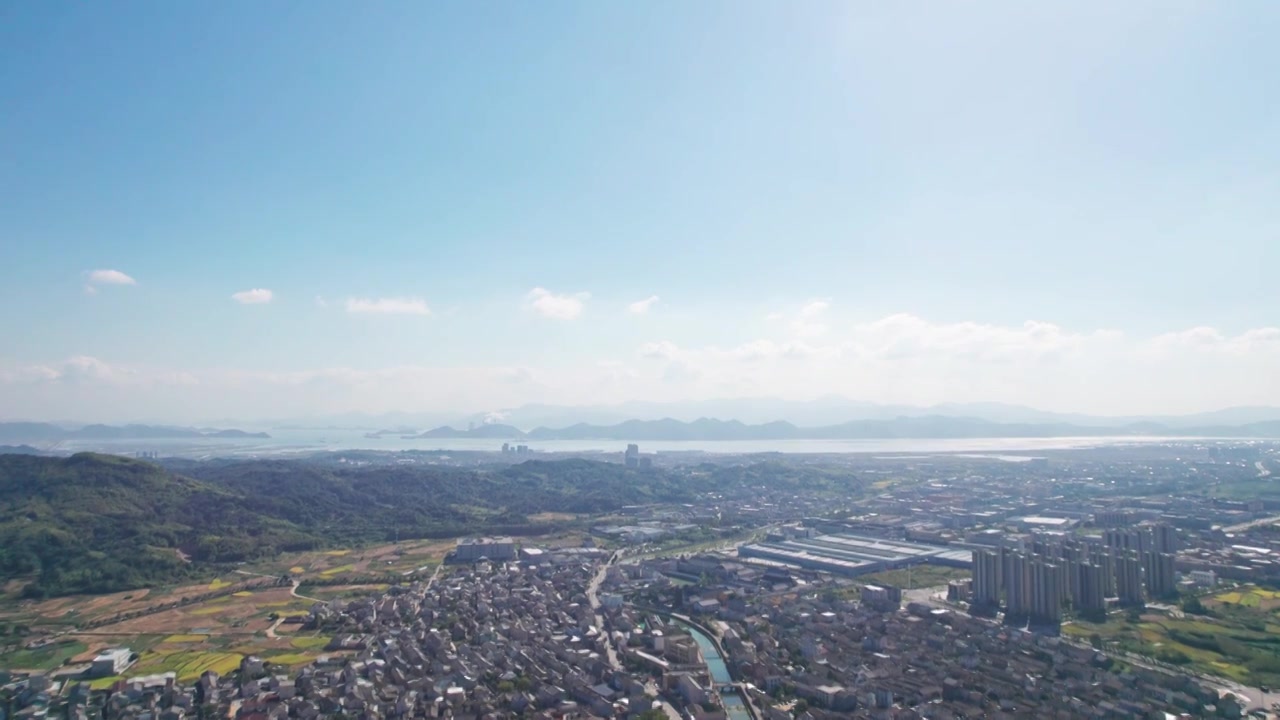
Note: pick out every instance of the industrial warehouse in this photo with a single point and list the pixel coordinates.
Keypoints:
(847, 554)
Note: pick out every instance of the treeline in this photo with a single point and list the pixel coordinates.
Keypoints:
(97, 523)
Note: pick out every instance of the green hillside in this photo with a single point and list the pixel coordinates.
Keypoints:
(99, 523)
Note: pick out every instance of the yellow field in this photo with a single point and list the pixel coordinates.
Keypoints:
(337, 553)
(1252, 597)
(185, 638)
(290, 659)
(189, 665)
(296, 570)
(221, 663)
(218, 584)
(336, 570)
(310, 643)
(242, 593)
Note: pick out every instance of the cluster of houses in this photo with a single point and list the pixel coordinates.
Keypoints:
(822, 650)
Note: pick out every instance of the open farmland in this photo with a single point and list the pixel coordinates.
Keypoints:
(1239, 638)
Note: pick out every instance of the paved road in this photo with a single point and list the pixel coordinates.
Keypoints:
(1252, 523)
(651, 688)
(594, 598)
(293, 590)
(434, 576)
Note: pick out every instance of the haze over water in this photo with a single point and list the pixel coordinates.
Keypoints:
(295, 441)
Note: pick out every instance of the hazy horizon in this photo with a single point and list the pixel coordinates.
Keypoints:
(811, 412)
(266, 212)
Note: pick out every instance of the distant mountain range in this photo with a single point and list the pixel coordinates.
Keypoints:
(19, 450)
(836, 410)
(829, 410)
(831, 417)
(933, 426)
(27, 432)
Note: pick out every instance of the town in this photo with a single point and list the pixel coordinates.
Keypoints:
(1109, 583)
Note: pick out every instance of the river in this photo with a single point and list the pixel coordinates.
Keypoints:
(734, 706)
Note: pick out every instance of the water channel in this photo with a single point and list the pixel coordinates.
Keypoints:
(734, 706)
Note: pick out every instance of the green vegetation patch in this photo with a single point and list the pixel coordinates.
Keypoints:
(43, 658)
(104, 683)
(1236, 642)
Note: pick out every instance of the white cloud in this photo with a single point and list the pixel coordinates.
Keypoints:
(1207, 340)
(256, 296)
(900, 358)
(808, 322)
(640, 307)
(664, 349)
(556, 307)
(905, 335)
(388, 306)
(321, 302)
(95, 278)
(904, 358)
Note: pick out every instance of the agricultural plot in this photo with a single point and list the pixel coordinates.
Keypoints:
(1247, 597)
(1237, 640)
(188, 664)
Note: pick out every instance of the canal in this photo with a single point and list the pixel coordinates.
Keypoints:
(734, 706)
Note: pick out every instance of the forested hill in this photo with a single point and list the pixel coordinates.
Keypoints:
(100, 523)
(96, 523)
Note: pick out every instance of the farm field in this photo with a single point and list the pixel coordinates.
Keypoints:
(1238, 639)
(186, 638)
(375, 562)
(172, 628)
(372, 561)
(191, 655)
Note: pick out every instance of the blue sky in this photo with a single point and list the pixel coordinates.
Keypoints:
(858, 198)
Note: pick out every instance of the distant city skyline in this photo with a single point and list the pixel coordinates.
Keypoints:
(258, 212)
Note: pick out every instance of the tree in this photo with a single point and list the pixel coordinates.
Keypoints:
(1192, 606)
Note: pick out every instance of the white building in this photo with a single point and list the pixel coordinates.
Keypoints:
(1206, 578)
(473, 549)
(111, 662)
